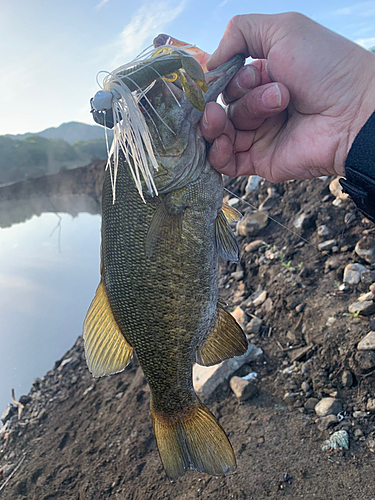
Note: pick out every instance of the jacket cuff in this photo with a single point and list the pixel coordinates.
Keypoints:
(360, 170)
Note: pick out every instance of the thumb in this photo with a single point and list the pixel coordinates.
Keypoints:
(249, 34)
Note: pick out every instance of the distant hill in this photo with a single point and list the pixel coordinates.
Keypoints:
(70, 132)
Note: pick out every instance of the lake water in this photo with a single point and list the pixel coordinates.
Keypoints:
(49, 271)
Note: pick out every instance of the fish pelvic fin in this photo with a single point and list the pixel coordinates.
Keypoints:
(107, 351)
(226, 243)
(193, 440)
(225, 340)
(231, 213)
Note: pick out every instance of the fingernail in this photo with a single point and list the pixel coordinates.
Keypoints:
(214, 147)
(204, 119)
(271, 97)
(246, 78)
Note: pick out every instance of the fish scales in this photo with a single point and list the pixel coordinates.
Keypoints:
(158, 293)
(175, 291)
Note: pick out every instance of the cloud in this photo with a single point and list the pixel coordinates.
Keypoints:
(362, 9)
(366, 42)
(101, 4)
(148, 21)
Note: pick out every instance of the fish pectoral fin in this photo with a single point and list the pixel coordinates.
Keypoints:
(231, 214)
(192, 440)
(106, 349)
(166, 221)
(226, 243)
(225, 340)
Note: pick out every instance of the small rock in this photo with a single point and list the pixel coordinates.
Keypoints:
(243, 389)
(364, 308)
(233, 201)
(372, 288)
(365, 248)
(311, 403)
(330, 321)
(305, 387)
(352, 273)
(254, 326)
(300, 308)
(370, 406)
(371, 444)
(347, 378)
(332, 263)
(237, 275)
(366, 296)
(327, 245)
(365, 360)
(254, 246)
(267, 305)
(24, 400)
(259, 297)
(253, 183)
(207, 378)
(367, 343)
(327, 422)
(328, 406)
(240, 316)
(252, 223)
(303, 221)
(8, 413)
(336, 189)
(323, 231)
(358, 433)
(359, 414)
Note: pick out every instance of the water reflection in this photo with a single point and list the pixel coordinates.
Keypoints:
(49, 269)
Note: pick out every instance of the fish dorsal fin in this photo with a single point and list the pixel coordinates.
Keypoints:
(226, 243)
(231, 214)
(166, 218)
(225, 340)
(106, 349)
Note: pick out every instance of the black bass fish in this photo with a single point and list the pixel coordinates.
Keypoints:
(158, 293)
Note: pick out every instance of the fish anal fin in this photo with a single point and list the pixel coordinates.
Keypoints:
(225, 340)
(231, 213)
(226, 243)
(193, 440)
(166, 217)
(106, 349)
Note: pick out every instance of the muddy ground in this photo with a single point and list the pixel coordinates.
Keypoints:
(80, 438)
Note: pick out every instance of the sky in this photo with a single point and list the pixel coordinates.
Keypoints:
(51, 51)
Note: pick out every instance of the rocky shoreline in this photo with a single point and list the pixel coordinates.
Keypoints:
(299, 408)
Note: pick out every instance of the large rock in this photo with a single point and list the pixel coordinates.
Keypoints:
(8, 413)
(365, 248)
(252, 224)
(207, 378)
(328, 406)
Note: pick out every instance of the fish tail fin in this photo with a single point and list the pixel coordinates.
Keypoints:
(193, 440)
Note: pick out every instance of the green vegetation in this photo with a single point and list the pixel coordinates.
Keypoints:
(34, 156)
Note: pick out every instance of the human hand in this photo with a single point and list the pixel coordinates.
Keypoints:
(295, 111)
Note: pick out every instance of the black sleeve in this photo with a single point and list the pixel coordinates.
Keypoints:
(360, 170)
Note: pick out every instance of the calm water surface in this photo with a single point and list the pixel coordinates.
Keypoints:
(49, 270)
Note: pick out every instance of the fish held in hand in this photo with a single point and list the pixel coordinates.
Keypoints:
(158, 293)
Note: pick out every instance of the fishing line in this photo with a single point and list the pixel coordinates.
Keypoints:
(271, 218)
